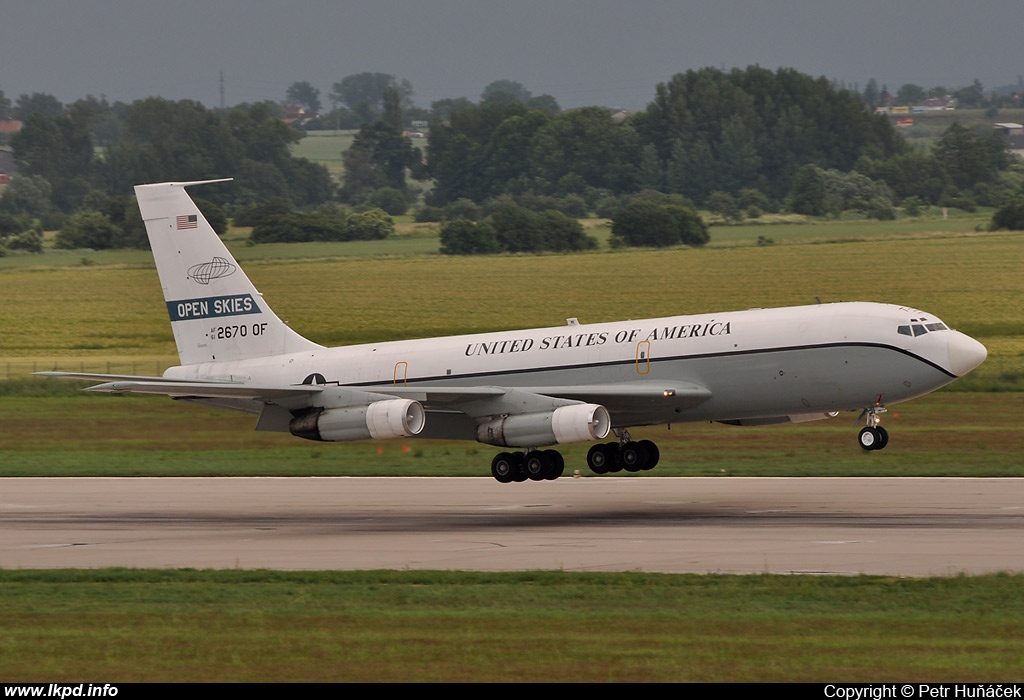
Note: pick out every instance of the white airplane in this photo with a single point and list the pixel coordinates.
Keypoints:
(529, 389)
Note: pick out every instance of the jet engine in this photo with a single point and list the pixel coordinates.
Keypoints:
(575, 423)
(379, 420)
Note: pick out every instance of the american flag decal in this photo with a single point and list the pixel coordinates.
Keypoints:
(189, 221)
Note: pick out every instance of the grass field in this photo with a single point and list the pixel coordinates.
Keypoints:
(325, 147)
(171, 626)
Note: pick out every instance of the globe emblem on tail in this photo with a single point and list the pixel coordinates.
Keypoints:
(215, 269)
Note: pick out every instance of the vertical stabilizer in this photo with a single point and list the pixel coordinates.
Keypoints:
(216, 313)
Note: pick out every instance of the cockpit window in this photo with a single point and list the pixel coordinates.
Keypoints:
(918, 327)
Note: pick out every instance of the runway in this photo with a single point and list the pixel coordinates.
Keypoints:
(902, 527)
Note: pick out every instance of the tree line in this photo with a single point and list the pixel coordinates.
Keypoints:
(740, 143)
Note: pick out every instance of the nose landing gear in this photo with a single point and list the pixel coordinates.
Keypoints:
(873, 436)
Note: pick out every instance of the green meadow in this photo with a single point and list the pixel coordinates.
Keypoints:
(122, 626)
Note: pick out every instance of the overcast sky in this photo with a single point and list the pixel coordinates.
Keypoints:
(583, 52)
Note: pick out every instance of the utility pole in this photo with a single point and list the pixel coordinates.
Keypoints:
(222, 90)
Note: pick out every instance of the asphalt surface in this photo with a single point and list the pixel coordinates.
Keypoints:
(904, 526)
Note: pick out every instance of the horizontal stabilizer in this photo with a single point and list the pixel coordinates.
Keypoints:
(208, 390)
(92, 377)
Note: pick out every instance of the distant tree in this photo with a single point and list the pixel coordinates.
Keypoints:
(520, 230)
(725, 205)
(971, 96)
(910, 94)
(166, 140)
(544, 103)
(754, 128)
(60, 150)
(30, 241)
(517, 229)
(968, 157)
(328, 223)
(363, 93)
(461, 151)
(1009, 216)
(564, 233)
(88, 229)
(505, 92)
(462, 209)
(911, 174)
(753, 203)
(28, 194)
(377, 158)
(104, 121)
(391, 113)
(390, 200)
(256, 213)
(690, 227)
(41, 103)
(871, 93)
(303, 94)
(644, 223)
(5, 107)
(370, 225)
(584, 150)
(808, 194)
(885, 97)
(442, 110)
(462, 237)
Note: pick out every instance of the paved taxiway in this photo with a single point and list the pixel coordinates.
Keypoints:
(907, 526)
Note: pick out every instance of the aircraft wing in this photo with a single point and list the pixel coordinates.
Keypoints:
(626, 402)
(619, 399)
(177, 388)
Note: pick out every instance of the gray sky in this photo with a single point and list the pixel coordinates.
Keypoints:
(607, 52)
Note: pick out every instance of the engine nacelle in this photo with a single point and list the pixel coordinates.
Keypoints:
(379, 420)
(575, 423)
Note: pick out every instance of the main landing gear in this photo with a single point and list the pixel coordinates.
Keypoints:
(535, 465)
(609, 457)
(874, 436)
(625, 454)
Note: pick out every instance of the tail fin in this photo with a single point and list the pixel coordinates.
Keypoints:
(216, 313)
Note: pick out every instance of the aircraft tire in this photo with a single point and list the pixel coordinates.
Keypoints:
(519, 467)
(599, 459)
(884, 438)
(503, 467)
(633, 457)
(615, 463)
(557, 464)
(653, 454)
(538, 465)
(870, 438)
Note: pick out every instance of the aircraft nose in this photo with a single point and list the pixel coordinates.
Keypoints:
(965, 353)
